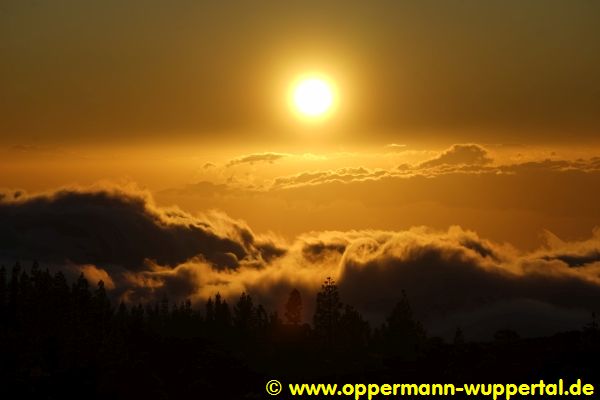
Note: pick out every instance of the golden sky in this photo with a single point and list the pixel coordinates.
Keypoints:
(104, 72)
(470, 127)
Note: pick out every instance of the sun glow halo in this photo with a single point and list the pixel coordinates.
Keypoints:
(313, 97)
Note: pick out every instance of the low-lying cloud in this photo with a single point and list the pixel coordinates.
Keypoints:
(453, 277)
(119, 227)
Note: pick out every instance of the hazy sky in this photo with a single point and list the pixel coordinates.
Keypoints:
(151, 144)
(188, 71)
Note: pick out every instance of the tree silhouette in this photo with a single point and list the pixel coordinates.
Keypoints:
(402, 332)
(244, 314)
(209, 314)
(121, 316)
(70, 336)
(101, 307)
(35, 273)
(262, 318)
(293, 308)
(81, 291)
(328, 311)
(164, 306)
(222, 313)
(354, 330)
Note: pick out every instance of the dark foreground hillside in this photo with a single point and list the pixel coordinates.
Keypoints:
(61, 339)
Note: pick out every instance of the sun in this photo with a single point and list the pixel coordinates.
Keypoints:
(313, 97)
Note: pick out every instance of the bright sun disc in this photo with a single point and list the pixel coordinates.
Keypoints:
(313, 97)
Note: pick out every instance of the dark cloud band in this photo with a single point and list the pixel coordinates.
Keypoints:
(453, 277)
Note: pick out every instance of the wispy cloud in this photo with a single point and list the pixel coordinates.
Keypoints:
(257, 158)
(460, 154)
(396, 146)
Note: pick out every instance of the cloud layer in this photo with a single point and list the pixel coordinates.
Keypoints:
(453, 277)
(119, 227)
(493, 190)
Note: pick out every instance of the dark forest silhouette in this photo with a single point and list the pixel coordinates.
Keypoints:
(59, 338)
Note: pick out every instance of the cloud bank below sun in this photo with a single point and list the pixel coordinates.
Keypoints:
(454, 276)
(508, 194)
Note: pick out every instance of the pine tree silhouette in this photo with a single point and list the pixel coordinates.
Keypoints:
(293, 308)
(222, 313)
(262, 319)
(65, 335)
(209, 314)
(327, 312)
(403, 334)
(354, 330)
(101, 307)
(244, 314)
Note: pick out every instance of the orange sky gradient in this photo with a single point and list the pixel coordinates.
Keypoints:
(470, 128)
